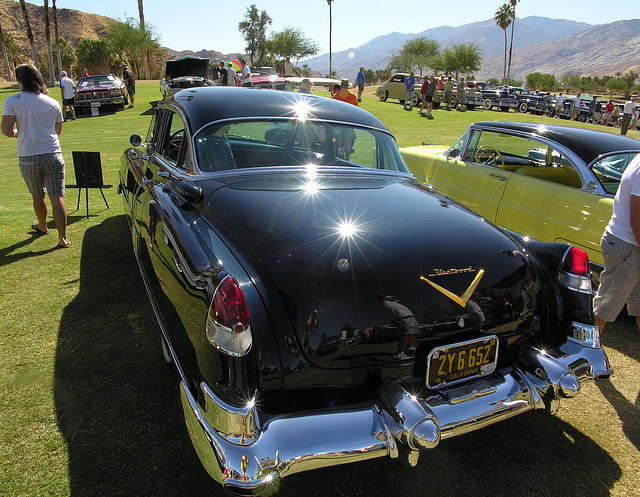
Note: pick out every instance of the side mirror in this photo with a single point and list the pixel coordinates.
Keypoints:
(453, 153)
(135, 140)
(191, 192)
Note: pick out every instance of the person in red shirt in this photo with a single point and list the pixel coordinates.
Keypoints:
(345, 95)
(441, 83)
(608, 110)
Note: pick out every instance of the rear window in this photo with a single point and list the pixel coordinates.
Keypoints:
(266, 143)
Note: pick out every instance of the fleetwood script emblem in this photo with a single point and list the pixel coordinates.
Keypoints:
(462, 299)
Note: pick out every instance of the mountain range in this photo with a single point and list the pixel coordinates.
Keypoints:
(554, 46)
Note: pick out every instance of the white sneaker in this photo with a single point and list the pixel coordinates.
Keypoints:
(401, 356)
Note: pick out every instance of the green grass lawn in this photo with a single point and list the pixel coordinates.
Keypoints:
(88, 407)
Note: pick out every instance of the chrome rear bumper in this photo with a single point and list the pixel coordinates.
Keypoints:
(247, 458)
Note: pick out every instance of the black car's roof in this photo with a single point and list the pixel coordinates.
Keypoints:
(587, 144)
(204, 105)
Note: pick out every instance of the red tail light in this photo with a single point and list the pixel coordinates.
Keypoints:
(576, 262)
(229, 308)
(574, 273)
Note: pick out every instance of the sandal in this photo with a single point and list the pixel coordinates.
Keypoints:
(64, 245)
(34, 225)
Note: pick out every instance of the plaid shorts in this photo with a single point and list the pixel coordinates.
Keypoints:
(43, 171)
(620, 280)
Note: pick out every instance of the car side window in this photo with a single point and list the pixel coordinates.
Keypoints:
(174, 145)
(523, 156)
(153, 134)
(609, 170)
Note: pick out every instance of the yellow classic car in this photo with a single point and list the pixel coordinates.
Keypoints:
(395, 88)
(551, 183)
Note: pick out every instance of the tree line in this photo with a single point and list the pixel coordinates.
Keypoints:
(421, 53)
(622, 84)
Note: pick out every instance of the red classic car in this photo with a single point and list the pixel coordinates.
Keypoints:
(267, 77)
(101, 90)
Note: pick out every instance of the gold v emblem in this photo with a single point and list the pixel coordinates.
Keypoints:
(464, 298)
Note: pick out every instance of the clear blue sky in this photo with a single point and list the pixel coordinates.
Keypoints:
(213, 24)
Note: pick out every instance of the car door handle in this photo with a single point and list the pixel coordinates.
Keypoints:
(501, 178)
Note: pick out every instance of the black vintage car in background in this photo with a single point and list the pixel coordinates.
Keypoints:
(320, 305)
(185, 72)
(507, 97)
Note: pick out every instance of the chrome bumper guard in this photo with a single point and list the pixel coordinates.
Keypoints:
(247, 458)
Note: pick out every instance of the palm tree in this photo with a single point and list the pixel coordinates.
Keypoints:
(47, 32)
(513, 26)
(503, 20)
(4, 53)
(55, 27)
(145, 53)
(329, 2)
(66, 56)
(14, 52)
(27, 25)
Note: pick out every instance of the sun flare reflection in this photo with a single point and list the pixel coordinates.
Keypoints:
(347, 229)
(311, 187)
(302, 110)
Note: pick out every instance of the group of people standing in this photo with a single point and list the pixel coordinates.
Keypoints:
(625, 117)
(224, 74)
(428, 90)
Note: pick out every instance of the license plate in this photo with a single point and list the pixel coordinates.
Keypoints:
(95, 104)
(462, 361)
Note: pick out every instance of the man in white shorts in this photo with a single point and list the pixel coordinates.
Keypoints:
(620, 280)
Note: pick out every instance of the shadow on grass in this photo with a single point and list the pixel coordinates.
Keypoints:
(118, 408)
(623, 336)
(117, 402)
(7, 255)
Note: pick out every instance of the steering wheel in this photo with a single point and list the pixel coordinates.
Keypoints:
(177, 136)
(486, 154)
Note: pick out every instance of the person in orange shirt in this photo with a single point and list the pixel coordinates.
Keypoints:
(345, 95)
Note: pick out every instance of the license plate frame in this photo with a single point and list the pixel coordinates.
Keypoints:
(447, 366)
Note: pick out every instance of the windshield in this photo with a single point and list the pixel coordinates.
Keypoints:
(263, 71)
(265, 143)
(106, 79)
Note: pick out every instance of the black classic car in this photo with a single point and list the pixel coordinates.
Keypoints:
(507, 97)
(497, 97)
(102, 90)
(567, 110)
(321, 306)
(185, 72)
